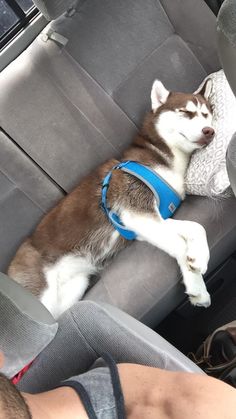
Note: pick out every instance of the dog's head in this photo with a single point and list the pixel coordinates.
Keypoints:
(183, 120)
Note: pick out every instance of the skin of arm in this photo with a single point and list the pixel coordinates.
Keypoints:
(152, 393)
(149, 393)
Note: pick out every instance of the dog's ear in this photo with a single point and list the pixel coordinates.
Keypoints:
(205, 90)
(159, 95)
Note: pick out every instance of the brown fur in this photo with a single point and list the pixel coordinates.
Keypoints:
(78, 224)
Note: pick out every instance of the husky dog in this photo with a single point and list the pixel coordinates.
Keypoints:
(75, 238)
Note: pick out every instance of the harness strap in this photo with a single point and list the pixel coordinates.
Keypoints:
(166, 197)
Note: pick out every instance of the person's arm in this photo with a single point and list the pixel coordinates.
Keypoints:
(152, 393)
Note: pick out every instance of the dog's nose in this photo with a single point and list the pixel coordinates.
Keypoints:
(209, 133)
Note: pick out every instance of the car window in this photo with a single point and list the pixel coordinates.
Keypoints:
(14, 16)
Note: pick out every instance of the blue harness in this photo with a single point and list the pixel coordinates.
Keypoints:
(167, 199)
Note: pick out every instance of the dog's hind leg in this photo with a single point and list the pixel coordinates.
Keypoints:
(168, 236)
(67, 281)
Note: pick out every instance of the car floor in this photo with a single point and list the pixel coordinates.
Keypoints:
(187, 327)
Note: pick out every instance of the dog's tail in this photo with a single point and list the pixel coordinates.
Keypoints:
(26, 268)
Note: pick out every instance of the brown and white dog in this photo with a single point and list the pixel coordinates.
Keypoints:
(75, 238)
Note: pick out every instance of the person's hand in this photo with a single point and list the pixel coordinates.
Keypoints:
(152, 393)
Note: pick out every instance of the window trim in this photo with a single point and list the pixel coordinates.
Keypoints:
(25, 19)
(22, 40)
(16, 8)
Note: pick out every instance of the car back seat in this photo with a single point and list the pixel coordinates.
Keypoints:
(26, 193)
(76, 97)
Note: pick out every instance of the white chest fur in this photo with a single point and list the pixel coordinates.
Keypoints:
(175, 174)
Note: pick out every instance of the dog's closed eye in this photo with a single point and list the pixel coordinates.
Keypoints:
(187, 113)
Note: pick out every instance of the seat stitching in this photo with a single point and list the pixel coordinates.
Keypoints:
(82, 335)
(187, 45)
(30, 160)
(83, 114)
(100, 87)
(107, 290)
(23, 192)
(141, 63)
(148, 56)
(167, 16)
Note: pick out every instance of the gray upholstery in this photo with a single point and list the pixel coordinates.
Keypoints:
(26, 193)
(76, 120)
(226, 29)
(74, 125)
(51, 9)
(26, 326)
(84, 96)
(144, 281)
(88, 330)
(231, 162)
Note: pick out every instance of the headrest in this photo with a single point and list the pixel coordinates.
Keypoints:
(52, 9)
(26, 326)
(226, 37)
(226, 20)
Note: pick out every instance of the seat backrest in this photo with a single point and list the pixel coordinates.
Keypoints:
(77, 94)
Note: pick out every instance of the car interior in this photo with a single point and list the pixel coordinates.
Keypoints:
(75, 84)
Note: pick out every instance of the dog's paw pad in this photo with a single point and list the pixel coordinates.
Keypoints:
(191, 264)
(197, 264)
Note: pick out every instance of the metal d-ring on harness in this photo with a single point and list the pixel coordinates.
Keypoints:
(166, 197)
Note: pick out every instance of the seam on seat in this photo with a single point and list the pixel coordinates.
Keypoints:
(81, 334)
(149, 55)
(100, 87)
(60, 89)
(123, 328)
(141, 63)
(192, 53)
(107, 290)
(148, 291)
(167, 16)
(23, 151)
(12, 187)
(146, 311)
(23, 192)
(104, 91)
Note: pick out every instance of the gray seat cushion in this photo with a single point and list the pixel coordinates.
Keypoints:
(26, 193)
(83, 101)
(145, 282)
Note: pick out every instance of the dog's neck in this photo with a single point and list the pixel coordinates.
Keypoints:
(174, 174)
(176, 158)
(180, 160)
(171, 161)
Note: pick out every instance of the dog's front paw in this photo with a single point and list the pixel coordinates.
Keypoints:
(197, 258)
(200, 300)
